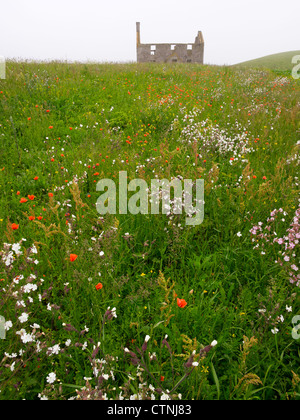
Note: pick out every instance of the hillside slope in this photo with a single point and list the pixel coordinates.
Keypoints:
(281, 61)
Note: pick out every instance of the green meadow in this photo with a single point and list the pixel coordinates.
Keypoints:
(144, 306)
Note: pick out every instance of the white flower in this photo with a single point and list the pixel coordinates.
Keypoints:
(17, 249)
(288, 308)
(23, 317)
(164, 396)
(214, 343)
(51, 378)
(29, 287)
(8, 259)
(262, 311)
(33, 249)
(275, 330)
(68, 342)
(239, 234)
(195, 364)
(10, 356)
(55, 349)
(101, 253)
(8, 325)
(113, 312)
(147, 338)
(26, 338)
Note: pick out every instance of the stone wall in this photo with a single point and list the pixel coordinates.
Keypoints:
(167, 53)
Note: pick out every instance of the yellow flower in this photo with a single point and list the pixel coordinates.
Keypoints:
(143, 274)
(204, 369)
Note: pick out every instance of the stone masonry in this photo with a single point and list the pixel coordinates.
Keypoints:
(169, 53)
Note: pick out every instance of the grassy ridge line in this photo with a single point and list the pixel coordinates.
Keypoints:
(281, 61)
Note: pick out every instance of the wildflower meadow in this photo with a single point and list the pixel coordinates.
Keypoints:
(134, 305)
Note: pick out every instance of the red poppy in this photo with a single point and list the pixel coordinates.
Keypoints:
(181, 303)
(36, 178)
(14, 226)
(99, 286)
(31, 197)
(23, 200)
(50, 195)
(73, 257)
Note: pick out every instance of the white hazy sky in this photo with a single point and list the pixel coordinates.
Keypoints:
(98, 30)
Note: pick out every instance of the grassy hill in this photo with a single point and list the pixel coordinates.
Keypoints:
(281, 61)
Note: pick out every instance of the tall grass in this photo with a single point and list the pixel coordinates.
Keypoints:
(127, 306)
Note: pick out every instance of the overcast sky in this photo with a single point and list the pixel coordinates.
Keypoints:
(98, 30)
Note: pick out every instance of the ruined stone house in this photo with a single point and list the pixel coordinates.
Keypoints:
(168, 53)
